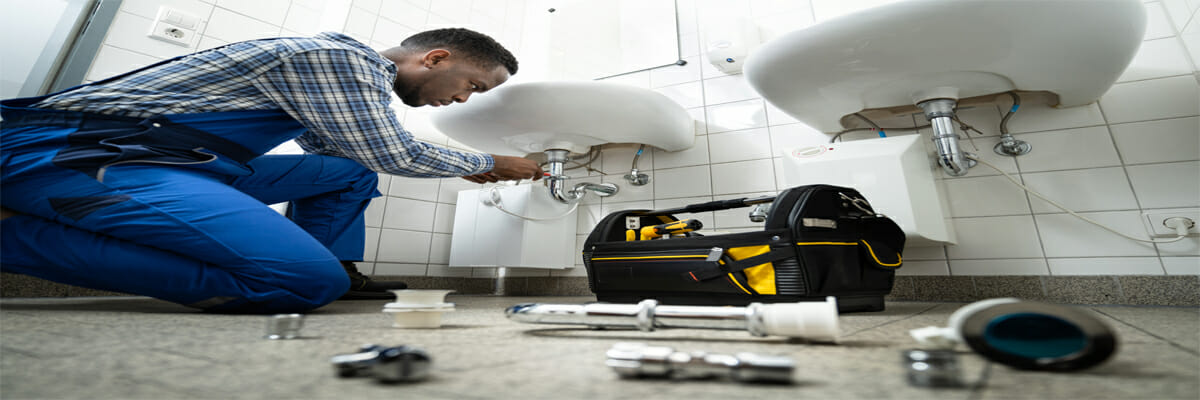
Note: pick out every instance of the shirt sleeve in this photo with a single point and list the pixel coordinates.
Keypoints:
(343, 98)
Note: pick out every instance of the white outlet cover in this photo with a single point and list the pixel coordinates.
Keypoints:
(1154, 221)
(172, 34)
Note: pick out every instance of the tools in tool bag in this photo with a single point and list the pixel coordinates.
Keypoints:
(638, 360)
(664, 230)
(816, 241)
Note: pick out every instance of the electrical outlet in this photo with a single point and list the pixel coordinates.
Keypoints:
(1155, 222)
(174, 26)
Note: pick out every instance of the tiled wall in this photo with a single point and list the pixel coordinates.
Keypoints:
(1137, 149)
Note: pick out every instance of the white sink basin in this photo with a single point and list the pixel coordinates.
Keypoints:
(522, 118)
(906, 52)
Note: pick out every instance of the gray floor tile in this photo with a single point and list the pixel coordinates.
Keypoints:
(139, 348)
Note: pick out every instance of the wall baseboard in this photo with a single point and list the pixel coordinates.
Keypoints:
(1143, 290)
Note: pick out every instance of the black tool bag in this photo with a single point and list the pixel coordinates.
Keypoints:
(818, 241)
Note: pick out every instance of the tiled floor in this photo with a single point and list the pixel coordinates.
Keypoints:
(132, 348)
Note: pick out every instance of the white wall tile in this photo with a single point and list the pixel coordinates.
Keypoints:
(740, 145)
(1066, 236)
(414, 188)
(1181, 265)
(728, 89)
(676, 74)
(1191, 40)
(401, 213)
(705, 218)
(913, 268)
(785, 138)
(360, 24)
(618, 159)
(985, 196)
(439, 249)
(1081, 190)
(736, 217)
(128, 31)
(629, 192)
(396, 269)
(636, 79)
(1156, 59)
(682, 182)
(1068, 149)
(1166, 185)
(448, 191)
(270, 11)
(687, 95)
(443, 218)
(1036, 116)
(149, 8)
(743, 177)
(696, 155)
(1018, 266)
(736, 116)
(391, 33)
(1151, 99)
(112, 61)
(1106, 266)
(995, 237)
(924, 253)
(405, 14)
(775, 116)
(586, 218)
(233, 27)
(372, 244)
(1158, 141)
(399, 246)
(374, 213)
(1158, 24)
(303, 20)
(1178, 10)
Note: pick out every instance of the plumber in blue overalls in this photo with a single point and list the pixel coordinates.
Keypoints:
(155, 182)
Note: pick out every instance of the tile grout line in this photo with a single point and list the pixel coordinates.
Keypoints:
(1191, 351)
(892, 321)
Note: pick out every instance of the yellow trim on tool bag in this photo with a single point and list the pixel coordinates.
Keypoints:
(827, 243)
(735, 282)
(761, 277)
(872, 251)
(642, 258)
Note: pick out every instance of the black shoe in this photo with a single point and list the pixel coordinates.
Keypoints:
(363, 288)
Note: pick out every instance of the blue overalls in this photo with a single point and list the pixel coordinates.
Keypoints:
(175, 207)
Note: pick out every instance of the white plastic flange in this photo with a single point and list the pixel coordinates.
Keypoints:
(815, 321)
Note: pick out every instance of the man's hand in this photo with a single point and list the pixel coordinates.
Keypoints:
(508, 168)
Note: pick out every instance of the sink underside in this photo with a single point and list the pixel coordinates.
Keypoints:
(523, 118)
(904, 52)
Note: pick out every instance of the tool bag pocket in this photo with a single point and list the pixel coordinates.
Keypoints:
(662, 266)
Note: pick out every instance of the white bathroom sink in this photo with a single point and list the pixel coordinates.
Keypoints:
(522, 118)
(906, 52)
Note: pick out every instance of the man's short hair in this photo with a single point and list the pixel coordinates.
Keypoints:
(473, 46)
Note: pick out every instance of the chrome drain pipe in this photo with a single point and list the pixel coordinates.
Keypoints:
(557, 181)
(815, 321)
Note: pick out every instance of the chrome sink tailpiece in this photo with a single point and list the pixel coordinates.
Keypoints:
(815, 321)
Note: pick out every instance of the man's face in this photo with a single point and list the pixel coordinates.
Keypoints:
(446, 80)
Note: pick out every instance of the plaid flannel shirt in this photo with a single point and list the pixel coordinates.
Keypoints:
(338, 88)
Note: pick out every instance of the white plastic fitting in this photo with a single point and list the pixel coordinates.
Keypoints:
(415, 308)
(1181, 225)
(816, 321)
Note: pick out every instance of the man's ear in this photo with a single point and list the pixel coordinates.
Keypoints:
(434, 56)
